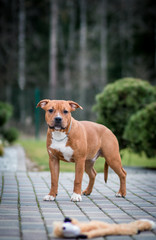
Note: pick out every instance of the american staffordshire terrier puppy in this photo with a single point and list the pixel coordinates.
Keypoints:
(81, 142)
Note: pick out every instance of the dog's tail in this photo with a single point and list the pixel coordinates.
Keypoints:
(106, 172)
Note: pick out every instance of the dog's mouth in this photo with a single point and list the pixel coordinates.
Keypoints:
(57, 127)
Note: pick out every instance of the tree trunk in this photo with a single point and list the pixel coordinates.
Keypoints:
(21, 59)
(155, 49)
(83, 52)
(126, 38)
(103, 43)
(70, 48)
(53, 48)
(21, 42)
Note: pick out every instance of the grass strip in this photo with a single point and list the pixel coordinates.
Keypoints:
(2, 188)
(37, 152)
(19, 208)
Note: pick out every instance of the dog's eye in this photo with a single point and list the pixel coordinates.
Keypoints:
(50, 110)
(65, 111)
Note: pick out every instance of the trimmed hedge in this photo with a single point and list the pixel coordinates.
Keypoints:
(119, 100)
(1, 149)
(11, 134)
(6, 111)
(140, 131)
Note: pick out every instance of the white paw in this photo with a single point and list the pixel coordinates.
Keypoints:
(76, 197)
(48, 198)
(118, 195)
(153, 224)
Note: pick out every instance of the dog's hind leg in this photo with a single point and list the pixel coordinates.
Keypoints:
(118, 169)
(89, 169)
(122, 190)
(110, 151)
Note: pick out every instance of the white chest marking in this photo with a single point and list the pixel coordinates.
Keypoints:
(59, 141)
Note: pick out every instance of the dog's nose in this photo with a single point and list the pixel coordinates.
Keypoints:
(58, 120)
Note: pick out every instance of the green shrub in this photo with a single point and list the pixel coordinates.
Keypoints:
(119, 101)
(10, 134)
(141, 130)
(6, 111)
(1, 149)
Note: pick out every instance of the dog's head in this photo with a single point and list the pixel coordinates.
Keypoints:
(58, 112)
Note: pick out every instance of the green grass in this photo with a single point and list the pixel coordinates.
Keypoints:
(36, 151)
(130, 158)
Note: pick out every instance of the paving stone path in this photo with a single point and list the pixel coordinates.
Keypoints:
(25, 216)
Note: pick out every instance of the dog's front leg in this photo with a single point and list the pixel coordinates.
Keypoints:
(79, 170)
(54, 170)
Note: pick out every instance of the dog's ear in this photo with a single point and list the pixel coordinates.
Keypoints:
(67, 219)
(74, 105)
(43, 103)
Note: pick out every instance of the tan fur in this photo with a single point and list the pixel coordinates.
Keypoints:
(98, 229)
(88, 140)
(106, 172)
(57, 229)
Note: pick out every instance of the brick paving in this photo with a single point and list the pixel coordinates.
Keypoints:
(25, 216)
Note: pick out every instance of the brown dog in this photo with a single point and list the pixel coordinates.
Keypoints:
(81, 142)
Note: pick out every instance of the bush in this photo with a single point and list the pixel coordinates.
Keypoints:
(1, 149)
(6, 111)
(141, 130)
(119, 101)
(10, 134)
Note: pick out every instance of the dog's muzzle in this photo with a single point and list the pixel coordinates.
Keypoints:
(57, 123)
(58, 120)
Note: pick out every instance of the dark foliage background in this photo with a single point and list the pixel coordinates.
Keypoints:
(71, 49)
